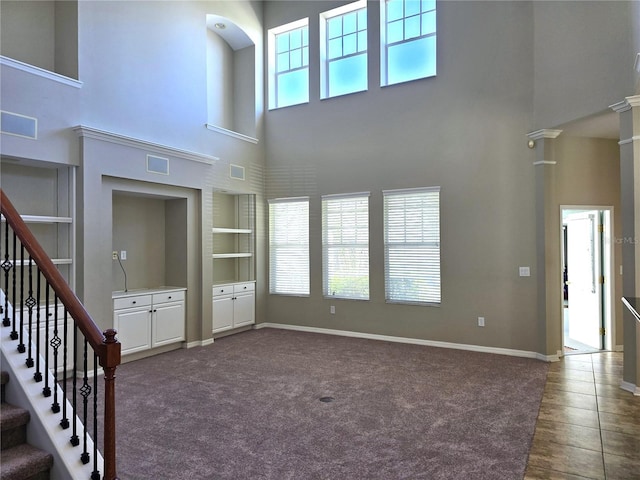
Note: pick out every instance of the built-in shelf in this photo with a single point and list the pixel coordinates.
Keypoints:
(232, 255)
(43, 219)
(231, 230)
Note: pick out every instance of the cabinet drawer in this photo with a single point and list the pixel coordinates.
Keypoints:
(222, 290)
(244, 287)
(168, 297)
(129, 302)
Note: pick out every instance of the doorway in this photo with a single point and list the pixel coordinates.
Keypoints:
(587, 279)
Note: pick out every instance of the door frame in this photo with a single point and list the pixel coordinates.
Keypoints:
(608, 267)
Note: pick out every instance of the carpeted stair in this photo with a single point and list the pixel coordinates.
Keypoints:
(18, 459)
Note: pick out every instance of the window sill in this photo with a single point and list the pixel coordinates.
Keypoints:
(40, 72)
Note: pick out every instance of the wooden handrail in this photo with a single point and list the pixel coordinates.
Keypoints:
(105, 345)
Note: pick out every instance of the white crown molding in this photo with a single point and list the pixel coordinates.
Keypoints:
(39, 72)
(412, 341)
(88, 132)
(544, 133)
(231, 133)
(629, 140)
(545, 162)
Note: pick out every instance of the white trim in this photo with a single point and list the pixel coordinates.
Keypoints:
(231, 133)
(629, 140)
(545, 162)
(412, 341)
(88, 132)
(35, 121)
(230, 230)
(547, 358)
(288, 199)
(39, 72)
(198, 343)
(232, 255)
(41, 219)
(345, 195)
(401, 191)
(630, 387)
(544, 133)
(626, 104)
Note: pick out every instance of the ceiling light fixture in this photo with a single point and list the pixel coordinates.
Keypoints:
(220, 26)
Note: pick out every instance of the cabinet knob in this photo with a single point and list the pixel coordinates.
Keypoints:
(133, 302)
(169, 297)
(222, 291)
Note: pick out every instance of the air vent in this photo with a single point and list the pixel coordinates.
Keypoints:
(236, 171)
(157, 165)
(19, 125)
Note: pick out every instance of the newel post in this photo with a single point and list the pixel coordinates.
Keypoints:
(109, 361)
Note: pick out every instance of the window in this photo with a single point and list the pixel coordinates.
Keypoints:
(408, 40)
(288, 48)
(412, 245)
(289, 246)
(345, 246)
(343, 50)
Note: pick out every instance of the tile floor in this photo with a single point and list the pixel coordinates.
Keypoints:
(588, 427)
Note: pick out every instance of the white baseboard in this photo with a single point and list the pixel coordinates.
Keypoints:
(630, 387)
(198, 343)
(413, 341)
(618, 348)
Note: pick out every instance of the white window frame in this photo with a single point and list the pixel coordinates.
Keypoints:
(289, 247)
(325, 62)
(409, 242)
(384, 46)
(272, 35)
(349, 238)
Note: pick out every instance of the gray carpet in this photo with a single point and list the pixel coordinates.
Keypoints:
(248, 407)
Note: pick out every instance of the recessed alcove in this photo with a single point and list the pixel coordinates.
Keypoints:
(152, 230)
(231, 59)
(43, 34)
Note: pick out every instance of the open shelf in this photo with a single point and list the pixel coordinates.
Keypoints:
(232, 255)
(231, 230)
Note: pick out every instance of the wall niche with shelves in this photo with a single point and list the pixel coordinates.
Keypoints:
(233, 237)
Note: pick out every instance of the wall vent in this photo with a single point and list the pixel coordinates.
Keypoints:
(18, 125)
(236, 171)
(157, 165)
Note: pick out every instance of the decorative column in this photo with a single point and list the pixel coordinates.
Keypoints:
(629, 110)
(547, 245)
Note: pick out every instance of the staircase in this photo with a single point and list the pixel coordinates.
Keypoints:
(19, 460)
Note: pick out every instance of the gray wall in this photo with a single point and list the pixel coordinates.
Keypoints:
(463, 130)
(584, 58)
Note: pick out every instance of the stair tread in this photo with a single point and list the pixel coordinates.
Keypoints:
(24, 461)
(12, 416)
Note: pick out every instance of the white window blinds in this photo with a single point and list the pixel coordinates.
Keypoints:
(289, 246)
(345, 245)
(412, 245)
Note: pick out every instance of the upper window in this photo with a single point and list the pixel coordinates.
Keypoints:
(288, 48)
(343, 50)
(289, 246)
(345, 246)
(412, 245)
(408, 40)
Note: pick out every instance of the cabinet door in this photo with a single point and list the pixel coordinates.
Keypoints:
(222, 313)
(244, 309)
(134, 329)
(51, 334)
(167, 324)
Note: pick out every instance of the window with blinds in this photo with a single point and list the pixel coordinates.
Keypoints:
(289, 246)
(345, 245)
(412, 245)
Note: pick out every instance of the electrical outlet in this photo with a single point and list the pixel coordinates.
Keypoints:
(114, 255)
(481, 321)
(332, 309)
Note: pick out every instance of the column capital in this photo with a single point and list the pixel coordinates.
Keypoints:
(626, 104)
(544, 133)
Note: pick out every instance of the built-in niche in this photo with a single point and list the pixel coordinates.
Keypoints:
(231, 101)
(152, 230)
(41, 33)
(233, 237)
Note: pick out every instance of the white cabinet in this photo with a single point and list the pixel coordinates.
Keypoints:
(233, 306)
(46, 332)
(149, 318)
